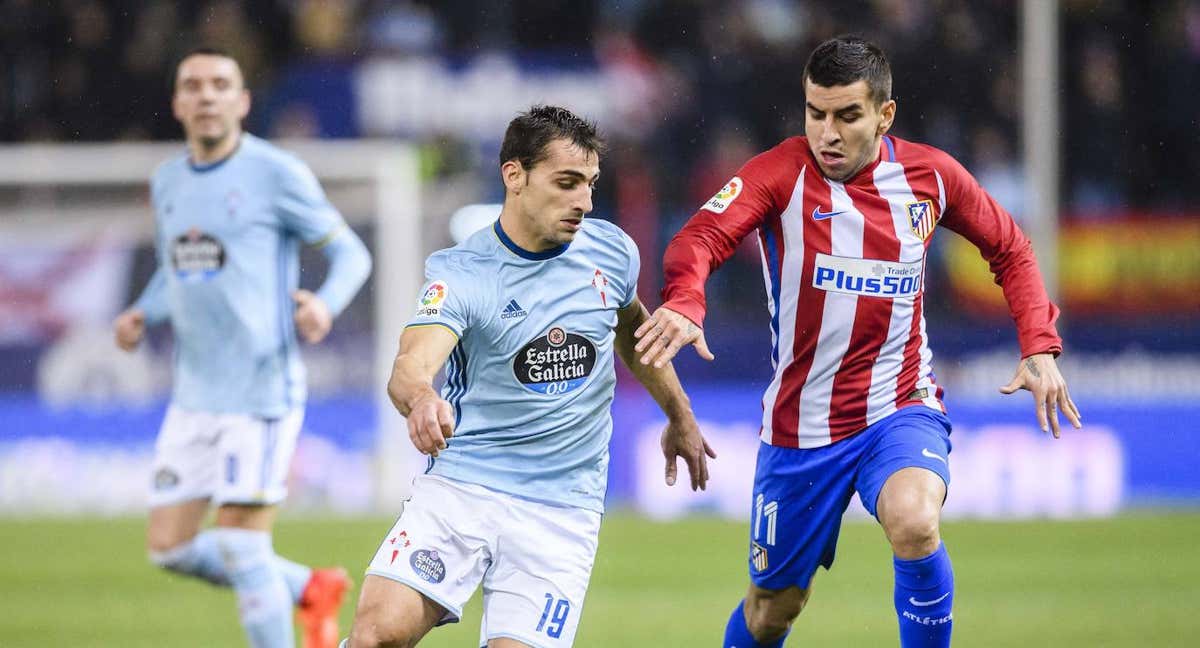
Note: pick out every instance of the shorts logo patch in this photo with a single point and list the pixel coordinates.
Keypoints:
(165, 478)
(428, 566)
(555, 363)
(430, 301)
(758, 556)
(197, 256)
(725, 197)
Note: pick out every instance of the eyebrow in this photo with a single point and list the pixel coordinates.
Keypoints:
(843, 109)
(575, 174)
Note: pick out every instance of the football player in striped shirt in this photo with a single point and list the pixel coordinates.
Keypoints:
(843, 217)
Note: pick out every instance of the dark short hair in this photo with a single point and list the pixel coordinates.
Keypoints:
(844, 60)
(200, 50)
(530, 132)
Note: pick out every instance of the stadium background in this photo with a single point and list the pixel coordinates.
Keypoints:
(685, 91)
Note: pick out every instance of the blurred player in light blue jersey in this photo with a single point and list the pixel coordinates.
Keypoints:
(232, 213)
(525, 315)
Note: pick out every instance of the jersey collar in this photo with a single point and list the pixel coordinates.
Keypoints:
(205, 168)
(522, 252)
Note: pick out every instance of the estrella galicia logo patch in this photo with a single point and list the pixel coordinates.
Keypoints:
(555, 363)
(197, 256)
(428, 565)
(165, 479)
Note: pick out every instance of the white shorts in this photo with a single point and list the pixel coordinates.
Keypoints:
(533, 559)
(228, 458)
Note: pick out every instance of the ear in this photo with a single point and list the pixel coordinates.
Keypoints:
(513, 175)
(887, 114)
(244, 105)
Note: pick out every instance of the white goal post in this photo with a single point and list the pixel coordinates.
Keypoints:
(365, 179)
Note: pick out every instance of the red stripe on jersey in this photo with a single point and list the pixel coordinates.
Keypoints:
(923, 183)
(872, 318)
(818, 237)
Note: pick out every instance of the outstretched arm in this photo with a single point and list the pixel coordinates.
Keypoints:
(682, 437)
(423, 351)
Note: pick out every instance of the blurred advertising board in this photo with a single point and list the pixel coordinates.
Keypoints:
(78, 459)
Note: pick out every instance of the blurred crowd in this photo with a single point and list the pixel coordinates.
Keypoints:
(724, 76)
(690, 88)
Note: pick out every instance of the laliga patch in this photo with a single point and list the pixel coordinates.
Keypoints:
(431, 300)
(428, 566)
(197, 256)
(921, 217)
(165, 479)
(555, 363)
(725, 197)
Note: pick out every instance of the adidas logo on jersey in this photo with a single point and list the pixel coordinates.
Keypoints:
(512, 310)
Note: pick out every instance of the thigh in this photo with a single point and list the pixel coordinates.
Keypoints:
(534, 591)
(254, 455)
(171, 525)
(389, 610)
(185, 459)
(914, 437)
(439, 547)
(796, 512)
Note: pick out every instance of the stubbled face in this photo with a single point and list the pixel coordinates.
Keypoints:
(844, 126)
(553, 197)
(210, 99)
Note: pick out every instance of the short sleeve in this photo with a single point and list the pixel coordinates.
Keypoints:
(303, 206)
(446, 297)
(635, 269)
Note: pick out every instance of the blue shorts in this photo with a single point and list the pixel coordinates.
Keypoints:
(800, 494)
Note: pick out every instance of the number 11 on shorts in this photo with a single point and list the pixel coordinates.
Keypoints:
(768, 510)
(561, 608)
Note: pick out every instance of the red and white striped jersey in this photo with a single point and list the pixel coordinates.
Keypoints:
(844, 267)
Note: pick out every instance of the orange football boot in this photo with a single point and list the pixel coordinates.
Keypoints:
(319, 604)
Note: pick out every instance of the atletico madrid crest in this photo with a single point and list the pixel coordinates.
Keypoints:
(758, 556)
(922, 217)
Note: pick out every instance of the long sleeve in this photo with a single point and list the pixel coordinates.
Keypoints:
(153, 300)
(713, 233)
(349, 266)
(976, 216)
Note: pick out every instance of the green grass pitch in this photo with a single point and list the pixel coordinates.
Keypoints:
(1130, 581)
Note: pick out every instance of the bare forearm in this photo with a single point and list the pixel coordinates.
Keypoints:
(662, 383)
(411, 381)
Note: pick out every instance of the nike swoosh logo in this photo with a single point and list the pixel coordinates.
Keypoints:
(926, 453)
(820, 215)
(914, 601)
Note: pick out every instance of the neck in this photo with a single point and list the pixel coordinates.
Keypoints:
(202, 154)
(514, 226)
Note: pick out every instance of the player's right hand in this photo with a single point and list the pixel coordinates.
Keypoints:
(129, 327)
(664, 334)
(431, 424)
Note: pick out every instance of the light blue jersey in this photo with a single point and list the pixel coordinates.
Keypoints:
(228, 243)
(531, 379)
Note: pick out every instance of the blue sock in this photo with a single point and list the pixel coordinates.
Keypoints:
(924, 596)
(737, 635)
(202, 558)
(198, 557)
(264, 602)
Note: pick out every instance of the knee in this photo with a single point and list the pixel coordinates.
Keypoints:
(769, 616)
(369, 631)
(915, 534)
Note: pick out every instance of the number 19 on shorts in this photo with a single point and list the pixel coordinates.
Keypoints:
(554, 616)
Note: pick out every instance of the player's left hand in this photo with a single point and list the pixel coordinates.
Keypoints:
(683, 439)
(1039, 374)
(312, 316)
